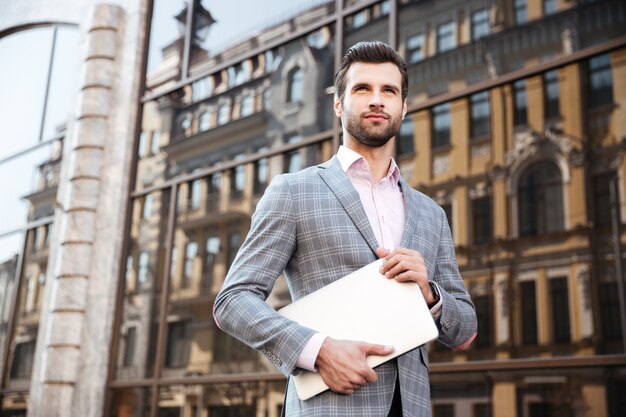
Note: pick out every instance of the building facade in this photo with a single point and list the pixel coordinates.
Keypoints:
(160, 124)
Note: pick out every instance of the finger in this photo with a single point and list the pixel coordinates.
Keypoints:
(381, 252)
(380, 350)
(371, 376)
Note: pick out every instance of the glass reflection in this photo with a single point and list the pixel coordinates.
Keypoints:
(134, 402)
(368, 24)
(25, 79)
(142, 287)
(241, 399)
(8, 285)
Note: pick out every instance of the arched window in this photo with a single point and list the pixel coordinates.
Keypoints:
(294, 87)
(540, 199)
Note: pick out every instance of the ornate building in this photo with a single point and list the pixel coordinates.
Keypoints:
(180, 115)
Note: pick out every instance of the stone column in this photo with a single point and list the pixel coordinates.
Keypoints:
(73, 349)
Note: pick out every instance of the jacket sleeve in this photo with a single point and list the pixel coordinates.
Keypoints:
(240, 309)
(457, 323)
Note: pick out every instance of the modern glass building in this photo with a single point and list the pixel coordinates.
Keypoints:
(139, 136)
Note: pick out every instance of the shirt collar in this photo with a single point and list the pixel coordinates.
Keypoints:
(347, 157)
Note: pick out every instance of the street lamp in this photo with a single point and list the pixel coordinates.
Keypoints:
(202, 22)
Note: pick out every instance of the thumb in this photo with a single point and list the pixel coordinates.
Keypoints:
(381, 252)
(380, 350)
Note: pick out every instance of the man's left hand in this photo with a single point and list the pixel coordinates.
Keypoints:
(405, 265)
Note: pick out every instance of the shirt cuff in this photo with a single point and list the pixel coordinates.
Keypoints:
(308, 356)
(435, 310)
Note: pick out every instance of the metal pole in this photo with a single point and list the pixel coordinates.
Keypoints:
(617, 248)
(45, 98)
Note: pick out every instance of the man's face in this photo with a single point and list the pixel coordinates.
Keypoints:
(372, 108)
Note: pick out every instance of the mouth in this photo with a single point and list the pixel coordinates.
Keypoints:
(376, 117)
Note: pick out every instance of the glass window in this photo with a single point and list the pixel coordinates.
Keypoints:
(481, 219)
(610, 311)
(261, 173)
(368, 24)
(178, 344)
(521, 15)
(143, 144)
(520, 114)
(480, 115)
(406, 140)
(129, 350)
(441, 125)
(415, 48)
(205, 121)
(551, 94)
(212, 251)
(23, 360)
(447, 208)
(528, 303)
(484, 313)
(166, 39)
(482, 410)
(559, 299)
(247, 106)
(143, 268)
(295, 81)
(443, 410)
(540, 199)
(480, 24)
(223, 114)
(191, 251)
(602, 215)
(156, 145)
(446, 36)
(237, 180)
(147, 207)
(214, 185)
(194, 195)
(600, 81)
(550, 6)
(234, 242)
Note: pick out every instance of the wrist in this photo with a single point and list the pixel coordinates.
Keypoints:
(435, 293)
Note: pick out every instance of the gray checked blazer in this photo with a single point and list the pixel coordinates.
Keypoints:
(311, 225)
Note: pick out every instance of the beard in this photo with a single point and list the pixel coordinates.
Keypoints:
(375, 135)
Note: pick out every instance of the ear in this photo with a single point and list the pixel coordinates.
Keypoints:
(404, 107)
(337, 106)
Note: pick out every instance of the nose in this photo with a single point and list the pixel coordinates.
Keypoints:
(376, 100)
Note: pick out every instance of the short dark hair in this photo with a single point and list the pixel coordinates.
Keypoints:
(370, 52)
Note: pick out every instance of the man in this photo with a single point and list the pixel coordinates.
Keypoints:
(324, 222)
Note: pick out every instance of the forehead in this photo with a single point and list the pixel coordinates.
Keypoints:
(374, 73)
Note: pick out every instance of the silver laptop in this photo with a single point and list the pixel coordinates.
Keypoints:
(363, 306)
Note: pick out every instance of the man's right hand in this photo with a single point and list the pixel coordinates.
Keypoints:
(342, 364)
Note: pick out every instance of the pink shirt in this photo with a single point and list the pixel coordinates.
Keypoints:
(384, 205)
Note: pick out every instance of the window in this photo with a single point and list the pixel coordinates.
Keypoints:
(147, 207)
(261, 173)
(237, 180)
(520, 103)
(602, 202)
(446, 36)
(520, 11)
(441, 125)
(143, 140)
(540, 199)
(415, 48)
(223, 114)
(193, 194)
(191, 250)
(405, 141)
(230, 410)
(129, 350)
(247, 107)
(609, 313)
(155, 145)
(22, 365)
(295, 80)
(143, 269)
(481, 219)
(178, 344)
(205, 121)
(551, 94)
(600, 81)
(213, 190)
(528, 304)
(482, 410)
(480, 24)
(443, 410)
(480, 115)
(550, 6)
(292, 159)
(212, 252)
(484, 314)
(560, 310)
(234, 242)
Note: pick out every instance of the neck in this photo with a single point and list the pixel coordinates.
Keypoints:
(378, 159)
